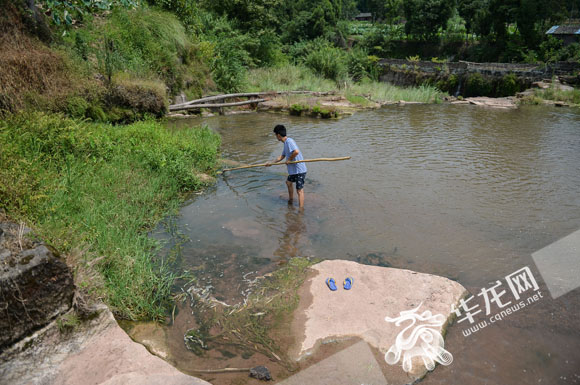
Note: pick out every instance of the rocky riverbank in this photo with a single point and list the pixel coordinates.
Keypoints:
(378, 293)
(336, 105)
(47, 337)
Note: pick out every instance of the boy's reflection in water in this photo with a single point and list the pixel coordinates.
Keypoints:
(289, 244)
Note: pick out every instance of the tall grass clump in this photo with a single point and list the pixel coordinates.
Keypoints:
(385, 92)
(94, 190)
(145, 43)
(552, 93)
(287, 78)
(297, 77)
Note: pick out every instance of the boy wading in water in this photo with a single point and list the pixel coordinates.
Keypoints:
(296, 171)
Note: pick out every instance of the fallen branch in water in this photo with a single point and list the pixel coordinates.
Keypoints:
(177, 107)
(224, 370)
(215, 105)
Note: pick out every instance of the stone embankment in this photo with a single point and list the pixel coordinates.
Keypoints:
(408, 73)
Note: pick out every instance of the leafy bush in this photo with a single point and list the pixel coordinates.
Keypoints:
(476, 85)
(96, 113)
(508, 86)
(267, 50)
(380, 40)
(76, 107)
(361, 65)
(297, 109)
(329, 62)
(66, 12)
(229, 52)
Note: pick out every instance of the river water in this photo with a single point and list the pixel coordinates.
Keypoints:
(460, 191)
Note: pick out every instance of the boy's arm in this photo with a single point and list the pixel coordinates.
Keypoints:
(278, 159)
(293, 155)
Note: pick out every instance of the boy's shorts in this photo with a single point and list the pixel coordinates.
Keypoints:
(298, 179)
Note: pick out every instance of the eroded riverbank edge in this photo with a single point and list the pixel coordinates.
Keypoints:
(51, 333)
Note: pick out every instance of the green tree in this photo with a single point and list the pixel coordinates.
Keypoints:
(425, 17)
(385, 10)
(308, 20)
(475, 13)
(248, 15)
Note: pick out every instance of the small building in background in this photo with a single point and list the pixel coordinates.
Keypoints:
(367, 16)
(569, 33)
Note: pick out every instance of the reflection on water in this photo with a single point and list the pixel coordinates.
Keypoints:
(464, 192)
(294, 239)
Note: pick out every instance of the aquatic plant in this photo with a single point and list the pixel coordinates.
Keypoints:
(255, 324)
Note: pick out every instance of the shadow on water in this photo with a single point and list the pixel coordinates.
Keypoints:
(466, 193)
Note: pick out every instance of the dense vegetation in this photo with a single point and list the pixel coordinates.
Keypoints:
(93, 190)
(147, 51)
(476, 30)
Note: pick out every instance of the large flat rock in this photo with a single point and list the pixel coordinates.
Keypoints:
(100, 352)
(112, 358)
(353, 365)
(378, 292)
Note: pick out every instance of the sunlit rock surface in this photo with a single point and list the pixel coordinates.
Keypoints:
(378, 292)
(100, 352)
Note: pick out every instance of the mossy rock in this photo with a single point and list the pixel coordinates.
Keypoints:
(122, 115)
(140, 96)
(326, 114)
(297, 109)
(96, 113)
(76, 107)
(315, 111)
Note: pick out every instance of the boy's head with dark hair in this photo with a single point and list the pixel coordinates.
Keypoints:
(280, 130)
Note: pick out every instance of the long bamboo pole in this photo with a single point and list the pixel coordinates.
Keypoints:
(291, 162)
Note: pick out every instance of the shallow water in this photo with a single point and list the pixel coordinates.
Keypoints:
(460, 191)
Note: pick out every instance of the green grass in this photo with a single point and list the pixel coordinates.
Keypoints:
(94, 191)
(572, 96)
(146, 43)
(287, 78)
(385, 92)
(291, 78)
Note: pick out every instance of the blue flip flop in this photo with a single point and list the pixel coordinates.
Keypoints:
(348, 283)
(331, 284)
